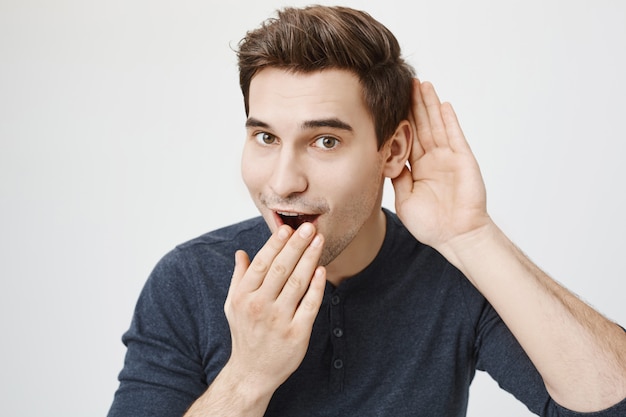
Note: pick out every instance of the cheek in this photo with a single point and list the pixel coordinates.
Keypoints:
(246, 175)
(354, 184)
(249, 171)
(364, 174)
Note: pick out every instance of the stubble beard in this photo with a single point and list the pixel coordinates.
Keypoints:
(333, 249)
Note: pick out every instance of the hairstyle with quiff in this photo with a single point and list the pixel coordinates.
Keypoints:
(316, 38)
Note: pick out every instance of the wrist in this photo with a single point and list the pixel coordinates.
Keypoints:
(471, 245)
(250, 389)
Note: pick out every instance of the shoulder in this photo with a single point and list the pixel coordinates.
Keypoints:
(248, 235)
(431, 269)
(403, 250)
(210, 257)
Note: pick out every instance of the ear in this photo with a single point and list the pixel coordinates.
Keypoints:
(397, 150)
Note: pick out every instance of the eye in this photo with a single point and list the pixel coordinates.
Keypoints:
(265, 138)
(326, 142)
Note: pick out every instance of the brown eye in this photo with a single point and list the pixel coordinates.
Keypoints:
(326, 142)
(265, 138)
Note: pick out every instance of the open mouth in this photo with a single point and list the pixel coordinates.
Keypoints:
(295, 219)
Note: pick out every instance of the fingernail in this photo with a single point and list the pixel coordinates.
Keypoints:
(317, 241)
(283, 233)
(319, 271)
(306, 230)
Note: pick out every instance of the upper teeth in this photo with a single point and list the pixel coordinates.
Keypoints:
(283, 213)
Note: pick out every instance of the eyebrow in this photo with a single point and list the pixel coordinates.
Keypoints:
(307, 124)
(332, 123)
(252, 122)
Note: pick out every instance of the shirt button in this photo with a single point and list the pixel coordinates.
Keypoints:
(337, 332)
(335, 300)
(338, 364)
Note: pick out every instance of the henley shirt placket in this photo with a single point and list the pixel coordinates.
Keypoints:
(337, 337)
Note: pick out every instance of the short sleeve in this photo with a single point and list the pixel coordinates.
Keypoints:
(500, 355)
(163, 372)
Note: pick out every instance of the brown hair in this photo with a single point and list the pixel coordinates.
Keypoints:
(315, 38)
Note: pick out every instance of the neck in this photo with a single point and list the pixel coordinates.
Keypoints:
(361, 251)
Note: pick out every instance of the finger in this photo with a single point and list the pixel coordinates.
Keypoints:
(417, 151)
(286, 260)
(312, 300)
(457, 140)
(300, 279)
(420, 115)
(262, 262)
(433, 108)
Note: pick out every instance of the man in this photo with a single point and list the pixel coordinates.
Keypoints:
(346, 308)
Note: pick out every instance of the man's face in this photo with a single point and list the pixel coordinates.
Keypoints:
(311, 155)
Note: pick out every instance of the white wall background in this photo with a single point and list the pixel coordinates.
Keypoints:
(120, 130)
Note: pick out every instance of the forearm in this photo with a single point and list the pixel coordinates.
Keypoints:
(580, 354)
(232, 395)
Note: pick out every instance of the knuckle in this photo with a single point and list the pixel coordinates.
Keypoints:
(242, 305)
(308, 305)
(254, 308)
(295, 281)
(279, 269)
(259, 266)
(296, 334)
(277, 316)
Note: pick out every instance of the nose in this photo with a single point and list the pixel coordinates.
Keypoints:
(288, 175)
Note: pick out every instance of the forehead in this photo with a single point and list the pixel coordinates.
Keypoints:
(279, 94)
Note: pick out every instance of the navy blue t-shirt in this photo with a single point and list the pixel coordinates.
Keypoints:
(401, 338)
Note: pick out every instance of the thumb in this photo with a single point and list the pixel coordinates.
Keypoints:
(402, 185)
(242, 262)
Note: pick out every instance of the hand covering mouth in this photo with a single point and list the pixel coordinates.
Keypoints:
(295, 219)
